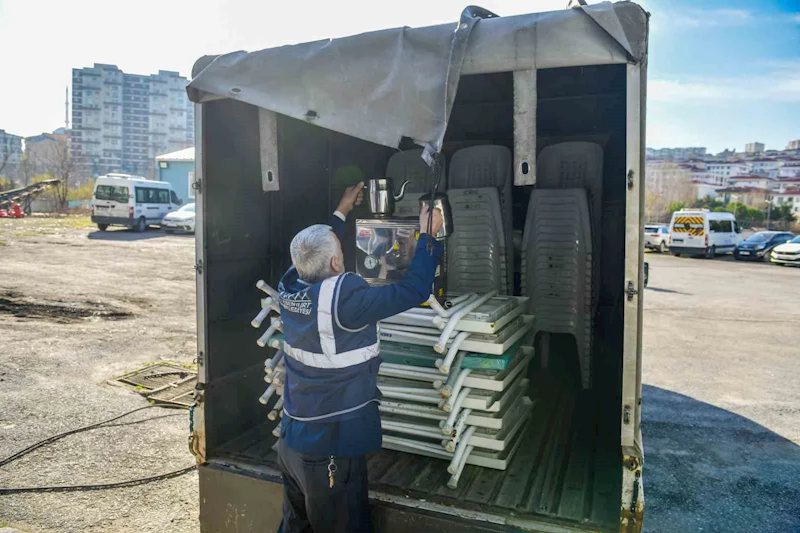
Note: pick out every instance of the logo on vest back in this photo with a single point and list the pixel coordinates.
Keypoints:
(298, 303)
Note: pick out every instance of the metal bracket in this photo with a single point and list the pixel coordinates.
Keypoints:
(198, 267)
(631, 291)
(197, 185)
(626, 416)
(268, 149)
(630, 179)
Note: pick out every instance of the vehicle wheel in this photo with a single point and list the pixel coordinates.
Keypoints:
(711, 252)
(662, 248)
(102, 227)
(141, 225)
(676, 254)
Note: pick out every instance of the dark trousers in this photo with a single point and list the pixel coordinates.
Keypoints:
(311, 505)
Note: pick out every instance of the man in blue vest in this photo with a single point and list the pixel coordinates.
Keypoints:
(331, 419)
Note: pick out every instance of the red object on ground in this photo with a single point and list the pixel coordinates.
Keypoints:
(14, 212)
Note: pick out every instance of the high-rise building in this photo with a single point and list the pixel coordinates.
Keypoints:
(10, 151)
(754, 148)
(793, 145)
(120, 122)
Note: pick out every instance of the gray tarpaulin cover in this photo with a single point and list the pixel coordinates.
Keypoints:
(384, 85)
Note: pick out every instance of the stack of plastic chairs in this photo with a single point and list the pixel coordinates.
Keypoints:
(480, 196)
(576, 165)
(410, 166)
(557, 267)
(476, 251)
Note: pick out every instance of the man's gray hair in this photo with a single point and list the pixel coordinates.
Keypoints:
(312, 250)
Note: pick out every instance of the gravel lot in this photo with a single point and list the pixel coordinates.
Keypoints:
(721, 395)
(721, 398)
(54, 366)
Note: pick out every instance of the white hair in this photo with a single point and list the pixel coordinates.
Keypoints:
(312, 250)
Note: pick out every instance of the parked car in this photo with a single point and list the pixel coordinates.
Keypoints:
(180, 220)
(656, 237)
(700, 232)
(787, 253)
(131, 201)
(759, 245)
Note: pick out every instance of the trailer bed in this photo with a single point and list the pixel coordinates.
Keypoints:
(564, 470)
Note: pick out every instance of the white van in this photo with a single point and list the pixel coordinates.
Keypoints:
(702, 232)
(131, 201)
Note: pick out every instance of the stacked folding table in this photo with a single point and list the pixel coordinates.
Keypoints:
(453, 381)
(453, 378)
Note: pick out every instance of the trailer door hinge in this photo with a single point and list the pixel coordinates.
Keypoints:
(198, 267)
(197, 185)
(631, 291)
(626, 416)
(630, 179)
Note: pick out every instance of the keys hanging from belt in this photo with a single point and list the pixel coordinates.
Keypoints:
(331, 471)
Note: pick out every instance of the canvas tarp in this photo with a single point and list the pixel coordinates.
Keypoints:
(386, 85)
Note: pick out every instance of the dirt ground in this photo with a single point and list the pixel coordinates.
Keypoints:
(78, 307)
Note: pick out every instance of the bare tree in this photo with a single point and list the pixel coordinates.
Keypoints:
(5, 154)
(62, 166)
(4, 160)
(26, 170)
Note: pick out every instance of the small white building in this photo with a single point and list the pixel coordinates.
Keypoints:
(788, 183)
(722, 171)
(704, 189)
(765, 167)
(791, 197)
(761, 182)
(789, 170)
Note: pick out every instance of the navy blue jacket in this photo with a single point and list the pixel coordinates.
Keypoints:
(326, 386)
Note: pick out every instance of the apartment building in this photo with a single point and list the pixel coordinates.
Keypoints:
(120, 121)
(754, 148)
(10, 150)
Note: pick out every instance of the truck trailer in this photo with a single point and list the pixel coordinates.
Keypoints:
(281, 132)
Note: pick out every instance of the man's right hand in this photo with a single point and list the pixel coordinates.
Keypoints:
(437, 222)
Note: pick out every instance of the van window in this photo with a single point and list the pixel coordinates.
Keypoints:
(720, 226)
(149, 195)
(144, 195)
(174, 197)
(116, 193)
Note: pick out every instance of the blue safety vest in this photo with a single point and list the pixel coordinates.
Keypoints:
(331, 370)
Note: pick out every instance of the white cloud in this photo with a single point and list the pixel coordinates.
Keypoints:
(702, 18)
(779, 86)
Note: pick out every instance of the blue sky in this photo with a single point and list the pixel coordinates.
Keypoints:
(721, 73)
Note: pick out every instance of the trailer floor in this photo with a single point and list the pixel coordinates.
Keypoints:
(566, 470)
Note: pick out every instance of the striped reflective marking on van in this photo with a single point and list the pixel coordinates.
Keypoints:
(691, 225)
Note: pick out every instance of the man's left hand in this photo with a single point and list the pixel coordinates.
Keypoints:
(352, 197)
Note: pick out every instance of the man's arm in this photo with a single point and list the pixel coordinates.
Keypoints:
(337, 223)
(352, 197)
(361, 304)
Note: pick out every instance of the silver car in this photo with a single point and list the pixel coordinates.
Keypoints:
(181, 220)
(656, 237)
